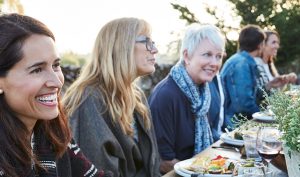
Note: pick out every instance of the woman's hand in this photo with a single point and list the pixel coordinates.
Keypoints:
(167, 165)
(290, 78)
(277, 82)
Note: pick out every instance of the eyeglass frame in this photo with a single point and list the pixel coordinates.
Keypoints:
(150, 45)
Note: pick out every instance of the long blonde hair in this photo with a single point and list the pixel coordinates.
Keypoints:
(112, 70)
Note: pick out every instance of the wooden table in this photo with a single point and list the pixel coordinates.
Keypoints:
(230, 153)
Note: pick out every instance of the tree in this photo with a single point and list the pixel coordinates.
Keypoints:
(189, 17)
(12, 6)
(280, 15)
(71, 58)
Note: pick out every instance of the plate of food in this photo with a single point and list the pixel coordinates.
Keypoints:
(264, 116)
(235, 139)
(206, 167)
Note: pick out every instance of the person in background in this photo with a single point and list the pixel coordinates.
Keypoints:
(180, 102)
(35, 139)
(109, 113)
(265, 64)
(240, 76)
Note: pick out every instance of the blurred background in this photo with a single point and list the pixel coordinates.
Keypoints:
(76, 23)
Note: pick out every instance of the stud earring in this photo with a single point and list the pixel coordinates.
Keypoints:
(1, 91)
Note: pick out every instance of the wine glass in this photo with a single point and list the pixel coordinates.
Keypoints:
(268, 143)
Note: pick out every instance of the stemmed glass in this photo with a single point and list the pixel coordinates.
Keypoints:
(268, 143)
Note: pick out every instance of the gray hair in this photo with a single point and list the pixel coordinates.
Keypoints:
(196, 33)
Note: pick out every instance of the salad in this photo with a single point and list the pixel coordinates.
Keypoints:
(217, 165)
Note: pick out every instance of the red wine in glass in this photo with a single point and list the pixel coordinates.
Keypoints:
(268, 155)
(268, 143)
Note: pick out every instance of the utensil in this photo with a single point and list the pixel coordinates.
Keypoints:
(226, 147)
(227, 131)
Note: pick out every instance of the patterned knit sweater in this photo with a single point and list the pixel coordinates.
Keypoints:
(72, 164)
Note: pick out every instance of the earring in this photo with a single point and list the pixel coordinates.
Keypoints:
(1, 91)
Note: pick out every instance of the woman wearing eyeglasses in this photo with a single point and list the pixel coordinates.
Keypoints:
(108, 113)
(180, 102)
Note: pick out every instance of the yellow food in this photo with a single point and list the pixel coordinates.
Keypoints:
(213, 166)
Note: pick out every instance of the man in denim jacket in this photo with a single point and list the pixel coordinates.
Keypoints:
(240, 74)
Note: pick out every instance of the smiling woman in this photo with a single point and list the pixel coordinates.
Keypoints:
(34, 134)
(180, 102)
(39, 67)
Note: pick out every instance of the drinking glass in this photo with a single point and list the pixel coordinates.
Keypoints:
(250, 147)
(257, 172)
(242, 167)
(268, 143)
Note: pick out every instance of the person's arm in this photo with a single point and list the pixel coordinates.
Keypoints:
(167, 165)
(81, 166)
(164, 124)
(94, 136)
(243, 80)
(277, 82)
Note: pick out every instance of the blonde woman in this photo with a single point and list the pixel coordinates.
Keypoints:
(108, 113)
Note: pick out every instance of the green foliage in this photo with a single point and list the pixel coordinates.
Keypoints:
(70, 58)
(185, 14)
(280, 15)
(1, 3)
(286, 108)
(189, 17)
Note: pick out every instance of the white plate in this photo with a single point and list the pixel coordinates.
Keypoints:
(180, 169)
(262, 116)
(230, 140)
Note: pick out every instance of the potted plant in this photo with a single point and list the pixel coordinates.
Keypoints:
(286, 107)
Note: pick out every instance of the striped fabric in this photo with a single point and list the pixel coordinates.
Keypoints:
(72, 164)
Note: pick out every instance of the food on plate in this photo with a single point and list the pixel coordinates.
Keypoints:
(238, 135)
(218, 165)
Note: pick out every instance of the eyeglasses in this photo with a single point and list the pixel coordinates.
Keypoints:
(150, 45)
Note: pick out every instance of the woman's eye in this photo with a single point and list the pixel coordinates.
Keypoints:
(37, 70)
(56, 66)
(219, 57)
(206, 55)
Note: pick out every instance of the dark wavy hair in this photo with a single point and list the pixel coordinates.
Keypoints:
(15, 150)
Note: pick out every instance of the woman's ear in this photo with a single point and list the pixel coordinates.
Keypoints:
(186, 57)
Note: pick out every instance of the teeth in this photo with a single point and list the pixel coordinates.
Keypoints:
(209, 70)
(49, 98)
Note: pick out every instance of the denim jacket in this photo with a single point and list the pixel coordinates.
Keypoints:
(239, 75)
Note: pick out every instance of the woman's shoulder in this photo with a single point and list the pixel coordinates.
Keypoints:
(166, 92)
(91, 105)
(166, 88)
(91, 95)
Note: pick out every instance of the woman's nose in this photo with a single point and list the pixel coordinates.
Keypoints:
(154, 50)
(55, 79)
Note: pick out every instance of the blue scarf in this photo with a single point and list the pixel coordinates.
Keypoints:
(199, 96)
